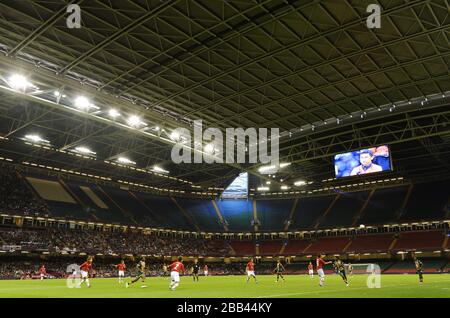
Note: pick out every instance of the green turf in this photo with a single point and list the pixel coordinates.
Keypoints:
(235, 286)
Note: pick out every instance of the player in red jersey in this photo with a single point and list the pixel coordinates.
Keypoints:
(121, 271)
(205, 270)
(175, 269)
(320, 263)
(310, 270)
(250, 269)
(85, 268)
(42, 271)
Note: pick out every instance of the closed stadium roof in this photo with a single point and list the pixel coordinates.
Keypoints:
(313, 69)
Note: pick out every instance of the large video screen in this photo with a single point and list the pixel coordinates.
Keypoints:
(364, 161)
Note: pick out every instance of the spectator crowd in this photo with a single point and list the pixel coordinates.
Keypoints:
(15, 196)
(93, 242)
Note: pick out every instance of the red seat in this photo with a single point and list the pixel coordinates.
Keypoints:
(244, 248)
(370, 243)
(428, 240)
(328, 245)
(270, 247)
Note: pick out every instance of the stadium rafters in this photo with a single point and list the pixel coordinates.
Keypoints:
(311, 68)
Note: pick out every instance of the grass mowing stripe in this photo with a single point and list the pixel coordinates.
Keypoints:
(236, 287)
(348, 289)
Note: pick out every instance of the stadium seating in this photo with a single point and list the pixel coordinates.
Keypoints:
(407, 266)
(383, 206)
(85, 201)
(130, 206)
(115, 213)
(243, 248)
(59, 201)
(370, 243)
(329, 244)
(90, 198)
(270, 247)
(345, 209)
(66, 210)
(309, 210)
(237, 213)
(295, 247)
(166, 210)
(17, 196)
(203, 213)
(384, 264)
(103, 203)
(272, 214)
(434, 265)
(427, 240)
(218, 248)
(428, 201)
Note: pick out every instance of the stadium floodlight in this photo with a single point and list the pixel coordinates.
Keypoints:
(267, 182)
(85, 150)
(159, 169)
(134, 121)
(209, 148)
(263, 188)
(126, 161)
(284, 187)
(175, 135)
(19, 82)
(266, 169)
(35, 138)
(82, 102)
(57, 93)
(273, 168)
(299, 183)
(113, 113)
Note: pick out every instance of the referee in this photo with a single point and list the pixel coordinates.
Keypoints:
(195, 270)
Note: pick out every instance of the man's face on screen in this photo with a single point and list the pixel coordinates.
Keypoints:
(365, 159)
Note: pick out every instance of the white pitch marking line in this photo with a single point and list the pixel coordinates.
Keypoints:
(341, 290)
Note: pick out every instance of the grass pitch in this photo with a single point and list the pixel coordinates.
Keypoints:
(392, 286)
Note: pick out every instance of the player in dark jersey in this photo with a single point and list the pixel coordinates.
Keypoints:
(140, 274)
(279, 269)
(340, 269)
(195, 270)
(419, 269)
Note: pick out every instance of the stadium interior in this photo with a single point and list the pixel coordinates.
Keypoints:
(89, 117)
